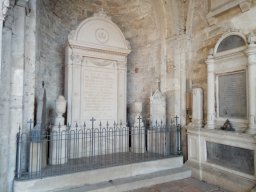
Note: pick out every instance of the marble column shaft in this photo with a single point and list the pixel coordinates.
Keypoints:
(251, 52)
(197, 109)
(210, 95)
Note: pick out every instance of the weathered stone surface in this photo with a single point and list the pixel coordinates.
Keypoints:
(170, 41)
(137, 20)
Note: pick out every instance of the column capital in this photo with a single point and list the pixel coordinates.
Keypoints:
(251, 50)
(251, 53)
(4, 5)
(210, 58)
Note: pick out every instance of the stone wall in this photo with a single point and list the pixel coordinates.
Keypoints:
(138, 21)
(205, 36)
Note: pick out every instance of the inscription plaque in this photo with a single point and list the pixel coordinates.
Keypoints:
(99, 94)
(232, 96)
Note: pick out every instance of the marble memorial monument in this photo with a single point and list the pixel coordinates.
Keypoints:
(96, 79)
(158, 139)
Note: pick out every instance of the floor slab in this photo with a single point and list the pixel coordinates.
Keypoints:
(184, 185)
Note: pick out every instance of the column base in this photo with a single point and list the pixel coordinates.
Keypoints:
(198, 124)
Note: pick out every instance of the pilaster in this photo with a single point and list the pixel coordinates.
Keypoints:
(17, 83)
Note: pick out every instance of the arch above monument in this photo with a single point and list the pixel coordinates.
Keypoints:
(96, 71)
(100, 32)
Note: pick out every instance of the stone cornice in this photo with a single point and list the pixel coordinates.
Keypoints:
(244, 5)
(98, 48)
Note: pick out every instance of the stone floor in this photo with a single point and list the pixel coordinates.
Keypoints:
(185, 185)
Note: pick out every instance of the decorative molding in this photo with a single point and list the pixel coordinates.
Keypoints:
(102, 35)
(100, 62)
(77, 59)
(251, 38)
(98, 48)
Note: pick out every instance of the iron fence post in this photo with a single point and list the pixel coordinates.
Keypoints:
(18, 154)
(179, 139)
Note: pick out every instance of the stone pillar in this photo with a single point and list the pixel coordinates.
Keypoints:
(17, 83)
(58, 142)
(4, 110)
(197, 109)
(4, 4)
(5, 63)
(251, 52)
(30, 63)
(183, 113)
(210, 95)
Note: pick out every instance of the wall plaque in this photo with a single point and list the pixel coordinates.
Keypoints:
(100, 93)
(235, 158)
(232, 96)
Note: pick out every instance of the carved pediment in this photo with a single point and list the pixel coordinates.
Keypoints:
(100, 31)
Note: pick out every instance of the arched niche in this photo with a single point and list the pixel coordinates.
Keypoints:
(96, 72)
(231, 91)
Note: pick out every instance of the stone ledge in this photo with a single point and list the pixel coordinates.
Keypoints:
(97, 176)
(136, 182)
(214, 175)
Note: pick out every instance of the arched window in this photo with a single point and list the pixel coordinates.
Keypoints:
(231, 42)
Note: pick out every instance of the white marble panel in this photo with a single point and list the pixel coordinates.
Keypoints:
(157, 109)
(99, 91)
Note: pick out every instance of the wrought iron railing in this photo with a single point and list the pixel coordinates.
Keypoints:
(67, 149)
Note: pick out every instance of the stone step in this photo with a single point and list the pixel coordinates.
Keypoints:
(101, 177)
(135, 182)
